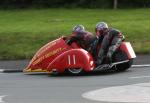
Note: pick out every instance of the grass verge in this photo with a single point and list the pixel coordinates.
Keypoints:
(23, 32)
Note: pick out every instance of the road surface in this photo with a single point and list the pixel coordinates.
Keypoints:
(91, 88)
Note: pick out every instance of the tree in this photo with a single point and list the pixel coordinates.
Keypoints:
(115, 4)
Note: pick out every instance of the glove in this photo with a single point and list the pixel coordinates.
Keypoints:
(68, 42)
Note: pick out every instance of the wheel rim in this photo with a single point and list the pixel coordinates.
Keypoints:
(75, 70)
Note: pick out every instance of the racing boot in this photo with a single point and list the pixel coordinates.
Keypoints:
(110, 52)
(100, 57)
(109, 58)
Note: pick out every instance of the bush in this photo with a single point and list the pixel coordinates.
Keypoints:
(73, 3)
(133, 3)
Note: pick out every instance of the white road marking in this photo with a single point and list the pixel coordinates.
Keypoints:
(1, 70)
(143, 65)
(1, 99)
(10, 70)
(138, 93)
(137, 77)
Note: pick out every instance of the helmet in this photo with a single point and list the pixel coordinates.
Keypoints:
(78, 28)
(101, 27)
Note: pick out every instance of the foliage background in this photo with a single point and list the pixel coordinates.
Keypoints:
(6, 4)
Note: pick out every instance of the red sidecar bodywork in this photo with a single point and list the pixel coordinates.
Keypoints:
(58, 56)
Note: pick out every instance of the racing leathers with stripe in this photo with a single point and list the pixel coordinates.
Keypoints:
(109, 42)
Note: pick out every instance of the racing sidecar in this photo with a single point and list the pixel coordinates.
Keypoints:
(58, 57)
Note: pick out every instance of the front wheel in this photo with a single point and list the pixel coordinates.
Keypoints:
(75, 71)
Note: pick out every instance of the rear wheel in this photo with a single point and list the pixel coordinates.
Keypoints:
(124, 66)
(121, 56)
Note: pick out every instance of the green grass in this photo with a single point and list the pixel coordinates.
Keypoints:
(23, 32)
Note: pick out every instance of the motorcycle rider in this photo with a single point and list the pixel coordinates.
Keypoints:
(110, 39)
(81, 37)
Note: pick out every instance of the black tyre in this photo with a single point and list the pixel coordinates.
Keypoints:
(121, 56)
(75, 71)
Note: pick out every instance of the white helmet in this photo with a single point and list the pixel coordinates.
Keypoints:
(78, 28)
(101, 26)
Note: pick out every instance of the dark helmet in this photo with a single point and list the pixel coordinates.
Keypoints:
(78, 28)
(101, 27)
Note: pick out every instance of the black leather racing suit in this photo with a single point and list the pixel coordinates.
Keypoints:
(109, 41)
(83, 39)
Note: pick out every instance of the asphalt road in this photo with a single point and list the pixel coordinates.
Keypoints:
(43, 88)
